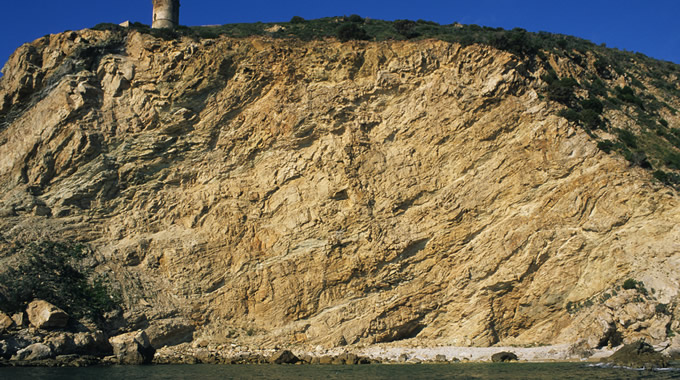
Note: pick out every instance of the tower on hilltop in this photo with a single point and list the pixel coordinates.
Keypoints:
(165, 14)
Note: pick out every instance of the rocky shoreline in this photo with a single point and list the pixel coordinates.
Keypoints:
(187, 354)
(634, 355)
(45, 336)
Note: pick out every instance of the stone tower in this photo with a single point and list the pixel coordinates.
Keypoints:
(165, 14)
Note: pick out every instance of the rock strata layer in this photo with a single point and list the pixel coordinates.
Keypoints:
(279, 192)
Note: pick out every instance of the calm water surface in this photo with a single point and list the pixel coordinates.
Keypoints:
(441, 371)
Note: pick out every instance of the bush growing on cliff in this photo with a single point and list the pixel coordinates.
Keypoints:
(351, 31)
(297, 20)
(355, 18)
(406, 28)
(561, 90)
(667, 178)
(629, 284)
(638, 285)
(517, 41)
(662, 308)
(55, 273)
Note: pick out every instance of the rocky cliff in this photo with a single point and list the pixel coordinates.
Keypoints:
(274, 192)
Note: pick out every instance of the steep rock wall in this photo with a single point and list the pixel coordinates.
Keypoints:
(277, 191)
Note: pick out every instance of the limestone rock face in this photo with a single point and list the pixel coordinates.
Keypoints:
(20, 319)
(5, 322)
(323, 193)
(132, 348)
(44, 315)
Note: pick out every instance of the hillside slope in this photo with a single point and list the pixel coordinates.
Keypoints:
(275, 192)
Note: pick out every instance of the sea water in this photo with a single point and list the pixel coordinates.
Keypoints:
(480, 371)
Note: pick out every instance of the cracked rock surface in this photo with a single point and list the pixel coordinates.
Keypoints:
(323, 193)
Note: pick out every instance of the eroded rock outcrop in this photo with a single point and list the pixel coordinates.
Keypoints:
(5, 322)
(283, 357)
(44, 315)
(502, 357)
(638, 355)
(320, 193)
(132, 348)
(36, 351)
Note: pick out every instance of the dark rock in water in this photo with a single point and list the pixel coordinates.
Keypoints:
(501, 357)
(132, 348)
(338, 360)
(248, 358)
(283, 357)
(638, 355)
(77, 360)
(364, 360)
(346, 358)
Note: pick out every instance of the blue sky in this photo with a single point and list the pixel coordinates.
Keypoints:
(648, 26)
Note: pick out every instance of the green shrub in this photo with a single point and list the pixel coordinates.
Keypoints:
(629, 284)
(661, 175)
(637, 158)
(108, 26)
(590, 118)
(672, 160)
(562, 90)
(587, 118)
(351, 31)
(406, 28)
(297, 20)
(662, 308)
(355, 18)
(605, 145)
(636, 82)
(55, 273)
(627, 138)
(597, 88)
(628, 95)
(593, 104)
(570, 114)
(517, 41)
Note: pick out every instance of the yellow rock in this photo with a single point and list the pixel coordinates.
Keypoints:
(319, 193)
